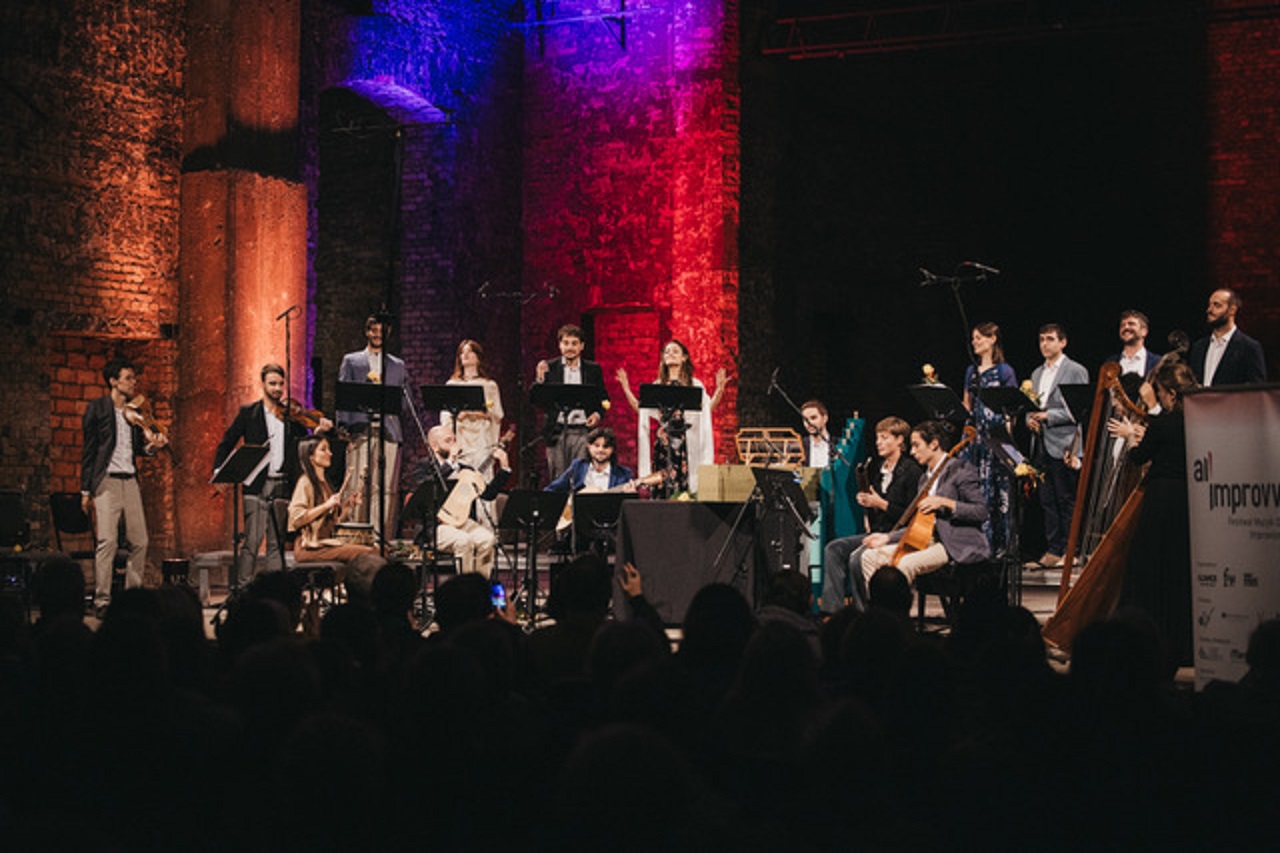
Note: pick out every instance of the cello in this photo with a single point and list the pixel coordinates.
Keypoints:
(919, 525)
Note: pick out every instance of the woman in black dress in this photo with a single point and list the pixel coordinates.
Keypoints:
(1158, 575)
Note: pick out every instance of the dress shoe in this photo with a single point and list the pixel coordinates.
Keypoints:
(1051, 561)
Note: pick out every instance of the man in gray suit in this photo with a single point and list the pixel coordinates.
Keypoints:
(955, 500)
(373, 365)
(1056, 432)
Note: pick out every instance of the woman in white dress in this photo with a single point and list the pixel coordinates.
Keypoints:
(687, 439)
(478, 432)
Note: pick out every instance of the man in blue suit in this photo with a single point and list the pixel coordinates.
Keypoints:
(1135, 357)
(1227, 356)
(374, 366)
(600, 470)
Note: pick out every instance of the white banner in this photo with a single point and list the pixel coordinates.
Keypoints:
(1233, 487)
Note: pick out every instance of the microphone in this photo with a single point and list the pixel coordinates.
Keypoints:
(928, 277)
(287, 312)
(773, 381)
(981, 267)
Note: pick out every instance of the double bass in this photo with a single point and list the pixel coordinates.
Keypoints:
(919, 525)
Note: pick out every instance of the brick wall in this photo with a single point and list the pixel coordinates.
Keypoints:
(630, 191)
(1244, 177)
(89, 134)
(447, 75)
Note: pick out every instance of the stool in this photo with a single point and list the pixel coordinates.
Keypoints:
(175, 571)
(317, 578)
(952, 584)
(429, 569)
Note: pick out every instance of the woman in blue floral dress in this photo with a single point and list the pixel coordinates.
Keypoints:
(997, 482)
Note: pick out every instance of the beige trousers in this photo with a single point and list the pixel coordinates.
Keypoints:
(115, 498)
(471, 543)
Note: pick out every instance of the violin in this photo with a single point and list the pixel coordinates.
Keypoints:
(137, 412)
(292, 410)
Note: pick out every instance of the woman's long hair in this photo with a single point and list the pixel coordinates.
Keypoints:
(481, 372)
(320, 488)
(1175, 377)
(685, 376)
(991, 330)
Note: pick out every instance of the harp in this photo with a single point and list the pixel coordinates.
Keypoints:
(1108, 498)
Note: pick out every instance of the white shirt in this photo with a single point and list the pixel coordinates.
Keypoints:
(1213, 357)
(1047, 378)
(573, 376)
(275, 441)
(597, 479)
(819, 452)
(375, 363)
(1136, 363)
(122, 455)
(933, 489)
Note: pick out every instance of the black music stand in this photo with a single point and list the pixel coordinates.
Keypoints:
(558, 401)
(939, 402)
(454, 399)
(244, 463)
(781, 497)
(595, 518)
(670, 400)
(1013, 403)
(1079, 400)
(378, 401)
(424, 503)
(531, 510)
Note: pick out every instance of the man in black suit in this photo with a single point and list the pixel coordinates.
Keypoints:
(1227, 356)
(817, 440)
(109, 479)
(566, 433)
(263, 422)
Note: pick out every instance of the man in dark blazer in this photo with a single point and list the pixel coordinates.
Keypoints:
(109, 479)
(816, 437)
(955, 500)
(1227, 356)
(1134, 357)
(373, 365)
(565, 434)
(262, 422)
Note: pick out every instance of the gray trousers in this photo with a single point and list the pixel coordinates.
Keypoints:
(571, 444)
(842, 574)
(260, 523)
(117, 497)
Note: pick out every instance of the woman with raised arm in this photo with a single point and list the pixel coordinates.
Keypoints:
(682, 440)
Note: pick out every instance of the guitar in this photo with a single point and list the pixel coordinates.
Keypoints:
(469, 484)
(566, 517)
(919, 525)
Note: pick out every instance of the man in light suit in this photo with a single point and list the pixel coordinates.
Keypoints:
(565, 434)
(1057, 433)
(1227, 356)
(373, 365)
(109, 479)
(956, 501)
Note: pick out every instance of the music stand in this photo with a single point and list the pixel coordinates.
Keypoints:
(239, 469)
(670, 398)
(939, 402)
(531, 510)
(1079, 400)
(378, 401)
(454, 399)
(595, 516)
(1010, 402)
